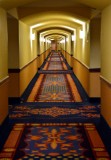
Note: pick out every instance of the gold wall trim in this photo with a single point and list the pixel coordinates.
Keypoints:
(17, 70)
(4, 80)
(82, 63)
(28, 63)
(105, 80)
(90, 69)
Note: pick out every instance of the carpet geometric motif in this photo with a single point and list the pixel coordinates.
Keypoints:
(55, 66)
(49, 140)
(55, 88)
(55, 59)
(78, 112)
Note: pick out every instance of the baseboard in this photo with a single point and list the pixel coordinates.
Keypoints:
(14, 100)
(105, 133)
(95, 100)
(4, 124)
(4, 131)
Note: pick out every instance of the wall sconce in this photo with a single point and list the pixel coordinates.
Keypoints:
(62, 41)
(48, 41)
(81, 34)
(33, 36)
(73, 38)
(66, 39)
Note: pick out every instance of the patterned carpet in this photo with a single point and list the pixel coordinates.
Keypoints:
(55, 121)
(43, 113)
(54, 88)
(55, 66)
(53, 142)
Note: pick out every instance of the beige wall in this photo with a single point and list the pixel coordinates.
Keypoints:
(94, 85)
(18, 82)
(90, 80)
(106, 64)
(3, 45)
(68, 44)
(82, 73)
(25, 54)
(3, 66)
(26, 75)
(13, 43)
(82, 48)
(95, 30)
(106, 43)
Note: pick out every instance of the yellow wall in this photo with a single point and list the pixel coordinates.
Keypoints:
(26, 75)
(18, 82)
(95, 29)
(3, 66)
(25, 55)
(82, 48)
(82, 73)
(68, 44)
(3, 45)
(106, 43)
(90, 80)
(106, 64)
(13, 43)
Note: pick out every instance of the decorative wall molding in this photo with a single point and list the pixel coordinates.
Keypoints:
(105, 80)
(81, 63)
(4, 80)
(17, 70)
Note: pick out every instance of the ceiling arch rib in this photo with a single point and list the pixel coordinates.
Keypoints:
(55, 34)
(52, 17)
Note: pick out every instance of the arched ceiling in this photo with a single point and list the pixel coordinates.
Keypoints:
(67, 14)
(98, 4)
(45, 20)
(56, 34)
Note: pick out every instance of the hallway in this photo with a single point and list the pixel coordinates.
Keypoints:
(55, 79)
(55, 121)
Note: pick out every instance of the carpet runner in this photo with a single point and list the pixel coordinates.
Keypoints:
(54, 141)
(54, 88)
(49, 113)
(56, 122)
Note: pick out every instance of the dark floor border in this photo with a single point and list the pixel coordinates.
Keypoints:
(5, 129)
(95, 100)
(105, 133)
(80, 88)
(60, 104)
(14, 100)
